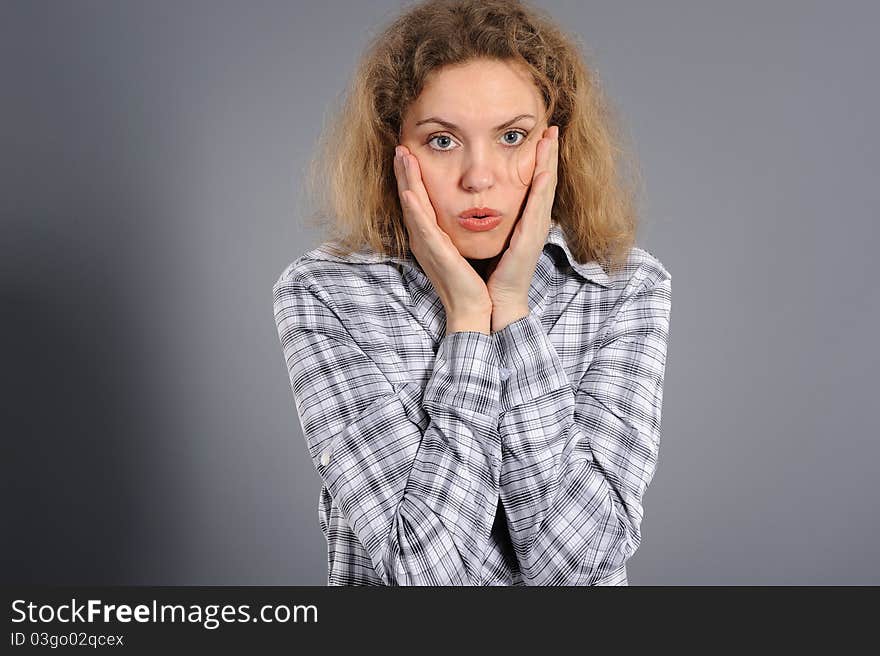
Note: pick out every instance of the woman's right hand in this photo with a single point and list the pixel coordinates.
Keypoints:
(460, 288)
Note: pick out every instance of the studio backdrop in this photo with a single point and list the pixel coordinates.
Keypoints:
(154, 155)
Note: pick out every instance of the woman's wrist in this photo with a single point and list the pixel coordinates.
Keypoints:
(475, 323)
(503, 317)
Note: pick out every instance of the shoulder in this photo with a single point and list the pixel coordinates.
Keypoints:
(640, 290)
(334, 277)
(642, 270)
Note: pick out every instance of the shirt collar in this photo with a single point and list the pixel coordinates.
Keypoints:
(590, 270)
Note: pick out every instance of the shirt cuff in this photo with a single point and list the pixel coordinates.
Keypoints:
(466, 374)
(529, 363)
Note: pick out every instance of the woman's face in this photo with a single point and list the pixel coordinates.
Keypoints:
(480, 157)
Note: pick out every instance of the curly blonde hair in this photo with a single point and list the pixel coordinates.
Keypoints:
(351, 179)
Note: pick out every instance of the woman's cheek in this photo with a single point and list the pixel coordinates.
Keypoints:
(526, 166)
(429, 179)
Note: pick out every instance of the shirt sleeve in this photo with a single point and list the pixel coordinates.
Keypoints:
(414, 473)
(578, 459)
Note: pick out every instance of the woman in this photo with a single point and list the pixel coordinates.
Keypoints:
(481, 395)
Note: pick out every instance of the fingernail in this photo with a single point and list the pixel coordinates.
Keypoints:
(405, 162)
(397, 151)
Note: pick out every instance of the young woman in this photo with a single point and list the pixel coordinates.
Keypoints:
(477, 356)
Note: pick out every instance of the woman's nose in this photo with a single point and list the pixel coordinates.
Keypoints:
(478, 173)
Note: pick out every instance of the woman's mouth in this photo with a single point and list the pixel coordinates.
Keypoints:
(480, 223)
(479, 218)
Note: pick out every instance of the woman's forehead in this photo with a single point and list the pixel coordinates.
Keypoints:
(479, 72)
(485, 92)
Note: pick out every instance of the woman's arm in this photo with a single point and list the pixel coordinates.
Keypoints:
(417, 479)
(576, 462)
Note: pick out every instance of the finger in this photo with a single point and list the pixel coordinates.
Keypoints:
(415, 222)
(539, 204)
(414, 181)
(421, 225)
(408, 195)
(408, 201)
(541, 158)
(400, 174)
(548, 155)
(534, 208)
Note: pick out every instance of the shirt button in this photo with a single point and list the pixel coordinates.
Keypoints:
(505, 373)
(325, 458)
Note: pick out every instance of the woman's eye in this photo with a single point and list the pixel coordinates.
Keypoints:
(444, 141)
(440, 136)
(516, 132)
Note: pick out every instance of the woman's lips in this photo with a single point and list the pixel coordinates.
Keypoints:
(480, 225)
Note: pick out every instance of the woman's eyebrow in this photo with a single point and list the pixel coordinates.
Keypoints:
(452, 126)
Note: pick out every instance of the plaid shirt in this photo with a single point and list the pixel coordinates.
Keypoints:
(516, 458)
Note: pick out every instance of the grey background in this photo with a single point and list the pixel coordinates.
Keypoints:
(152, 157)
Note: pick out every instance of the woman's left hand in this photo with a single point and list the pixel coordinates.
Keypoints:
(509, 283)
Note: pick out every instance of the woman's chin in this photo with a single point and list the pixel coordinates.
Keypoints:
(480, 245)
(472, 253)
